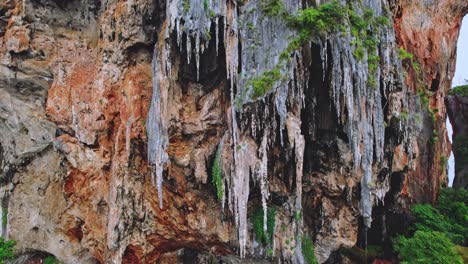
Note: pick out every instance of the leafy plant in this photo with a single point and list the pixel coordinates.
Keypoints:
(257, 223)
(274, 8)
(265, 82)
(6, 250)
(308, 250)
(428, 218)
(459, 90)
(427, 247)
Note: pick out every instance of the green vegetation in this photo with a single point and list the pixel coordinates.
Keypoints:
(326, 18)
(443, 162)
(437, 230)
(264, 83)
(257, 222)
(273, 8)
(308, 250)
(51, 260)
(6, 250)
(463, 252)
(404, 55)
(459, 90)
(429, 219)
(205, 5)
(186, 6)
(217, 174)
(427, 247)
(297, 215)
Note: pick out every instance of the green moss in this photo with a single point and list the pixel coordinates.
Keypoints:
(443, 162)
(435, 137)
(257, 223)
(4, 216)
(424, 98)
(217, 174)
(205, 5)
(459, 90)
(308, 250)
(297, 215)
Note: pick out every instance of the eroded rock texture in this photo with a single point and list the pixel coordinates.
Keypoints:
(111, 113)
(457, 110)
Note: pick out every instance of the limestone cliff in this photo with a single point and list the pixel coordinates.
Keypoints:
(457, 110)
(117, 117)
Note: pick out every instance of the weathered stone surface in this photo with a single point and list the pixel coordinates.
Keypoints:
(457, 110)
(76, 86)
(429, 30)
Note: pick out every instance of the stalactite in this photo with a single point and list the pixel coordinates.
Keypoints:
(156, 126)
(253, 44)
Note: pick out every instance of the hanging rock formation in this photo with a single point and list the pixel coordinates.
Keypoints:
(114, 115)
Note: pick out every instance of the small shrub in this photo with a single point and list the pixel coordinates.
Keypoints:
(308, 250)
(265, 82)
(427, 247)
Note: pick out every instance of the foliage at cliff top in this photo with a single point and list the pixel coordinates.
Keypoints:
(461, 90)
(6, 250)
(437, 229)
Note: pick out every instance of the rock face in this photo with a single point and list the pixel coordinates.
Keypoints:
(457, 110)
(112, 114)
(429, 30)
